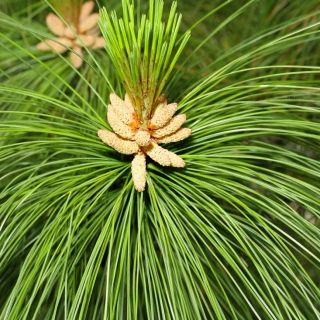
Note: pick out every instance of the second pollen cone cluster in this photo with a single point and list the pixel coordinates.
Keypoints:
(86, 32)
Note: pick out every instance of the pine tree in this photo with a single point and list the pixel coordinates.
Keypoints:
(223, 224)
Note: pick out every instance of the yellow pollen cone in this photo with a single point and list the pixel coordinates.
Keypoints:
(99, 43)
(88, 23)
(84, 40)
(158, 154)
(173, 125)
(86, 10)
(123, 110)
(161, 117)
(175, 160)
(118, 126)
(179, 135)
(139, 171)
(117, 143)
(55, 24)
(76, 61)
(142, 138)
(48, 45)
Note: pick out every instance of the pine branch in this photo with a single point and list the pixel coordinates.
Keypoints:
(143, 56)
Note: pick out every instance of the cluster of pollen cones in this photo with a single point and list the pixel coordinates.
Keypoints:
(142, 138)
(86, 32)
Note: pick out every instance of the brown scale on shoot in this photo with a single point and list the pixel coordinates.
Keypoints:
(142, 138)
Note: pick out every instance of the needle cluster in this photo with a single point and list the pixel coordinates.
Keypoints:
(145, 51)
